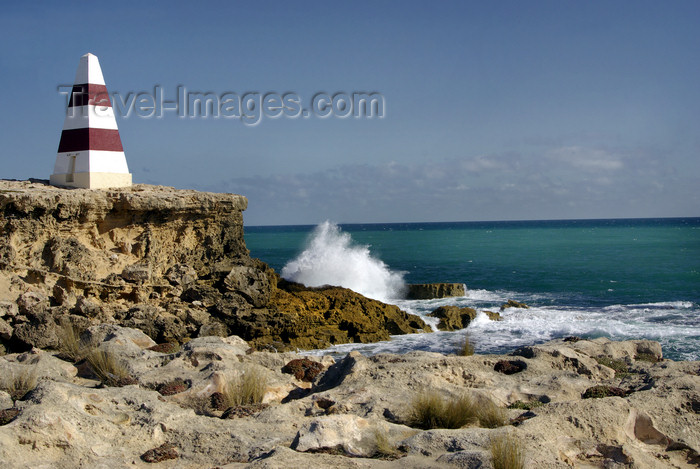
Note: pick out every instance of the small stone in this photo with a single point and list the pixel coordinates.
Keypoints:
(136, 273)
(5, 330)
(303, 369)
(8, 308)
(161, 453)
(510, 367)
(8, 415)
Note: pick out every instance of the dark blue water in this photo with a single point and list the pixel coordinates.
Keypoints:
(618, 278)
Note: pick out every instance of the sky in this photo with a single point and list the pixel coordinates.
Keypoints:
(504, 110)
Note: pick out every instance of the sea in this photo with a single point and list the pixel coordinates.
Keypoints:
(618, 278)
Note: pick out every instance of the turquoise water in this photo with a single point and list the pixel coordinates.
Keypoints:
(615, 278)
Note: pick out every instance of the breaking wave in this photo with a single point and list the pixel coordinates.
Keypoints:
(331, 258)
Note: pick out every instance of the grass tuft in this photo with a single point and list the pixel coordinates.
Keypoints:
(430, 410)
(18, 385)
(383, 448)
(110, 370)
(247, 389)
(466, 349)
(507, 452)
(70, 346)
(491, 416)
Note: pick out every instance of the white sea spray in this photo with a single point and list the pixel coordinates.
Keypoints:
(331, 258)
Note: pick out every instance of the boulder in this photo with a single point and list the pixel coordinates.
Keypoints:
(427, 291)
(181, 274)
(249, 282)
(453, 318)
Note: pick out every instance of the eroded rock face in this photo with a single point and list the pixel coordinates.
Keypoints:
(172, 263)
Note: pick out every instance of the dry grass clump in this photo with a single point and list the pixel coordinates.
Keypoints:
(248, 388)
(18, 385)
(384, 449)
(109, 369)
(491, 416)
(70, 346)
(466, 349)
(430, 410)
(507, 452)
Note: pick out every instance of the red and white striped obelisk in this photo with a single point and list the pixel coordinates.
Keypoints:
(90, 154)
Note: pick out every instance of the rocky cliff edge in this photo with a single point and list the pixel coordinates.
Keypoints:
(170, 262)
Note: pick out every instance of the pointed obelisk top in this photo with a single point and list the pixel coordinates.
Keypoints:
(89, 71)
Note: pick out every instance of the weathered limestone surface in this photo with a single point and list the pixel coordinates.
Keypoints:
(427, 291)
(170, 262)
(356, 405)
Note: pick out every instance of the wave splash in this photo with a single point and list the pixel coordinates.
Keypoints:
(331, 258)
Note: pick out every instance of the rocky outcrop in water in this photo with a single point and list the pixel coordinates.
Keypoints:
(453, 318)
(355, 412)
(172, 263)
(427, 291)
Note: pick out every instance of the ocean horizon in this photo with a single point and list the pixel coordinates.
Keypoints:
(631, 278)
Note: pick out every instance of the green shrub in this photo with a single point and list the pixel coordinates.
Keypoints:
(619, 366)
(506, 452)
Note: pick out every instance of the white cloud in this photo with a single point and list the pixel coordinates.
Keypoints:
(587, 159)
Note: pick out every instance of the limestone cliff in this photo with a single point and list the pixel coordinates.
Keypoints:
(170, 262)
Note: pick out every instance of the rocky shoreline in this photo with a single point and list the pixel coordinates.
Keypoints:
(565, 403)
(136, 331)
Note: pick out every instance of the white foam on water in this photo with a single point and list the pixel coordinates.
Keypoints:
(676, 325)
(331, 258)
